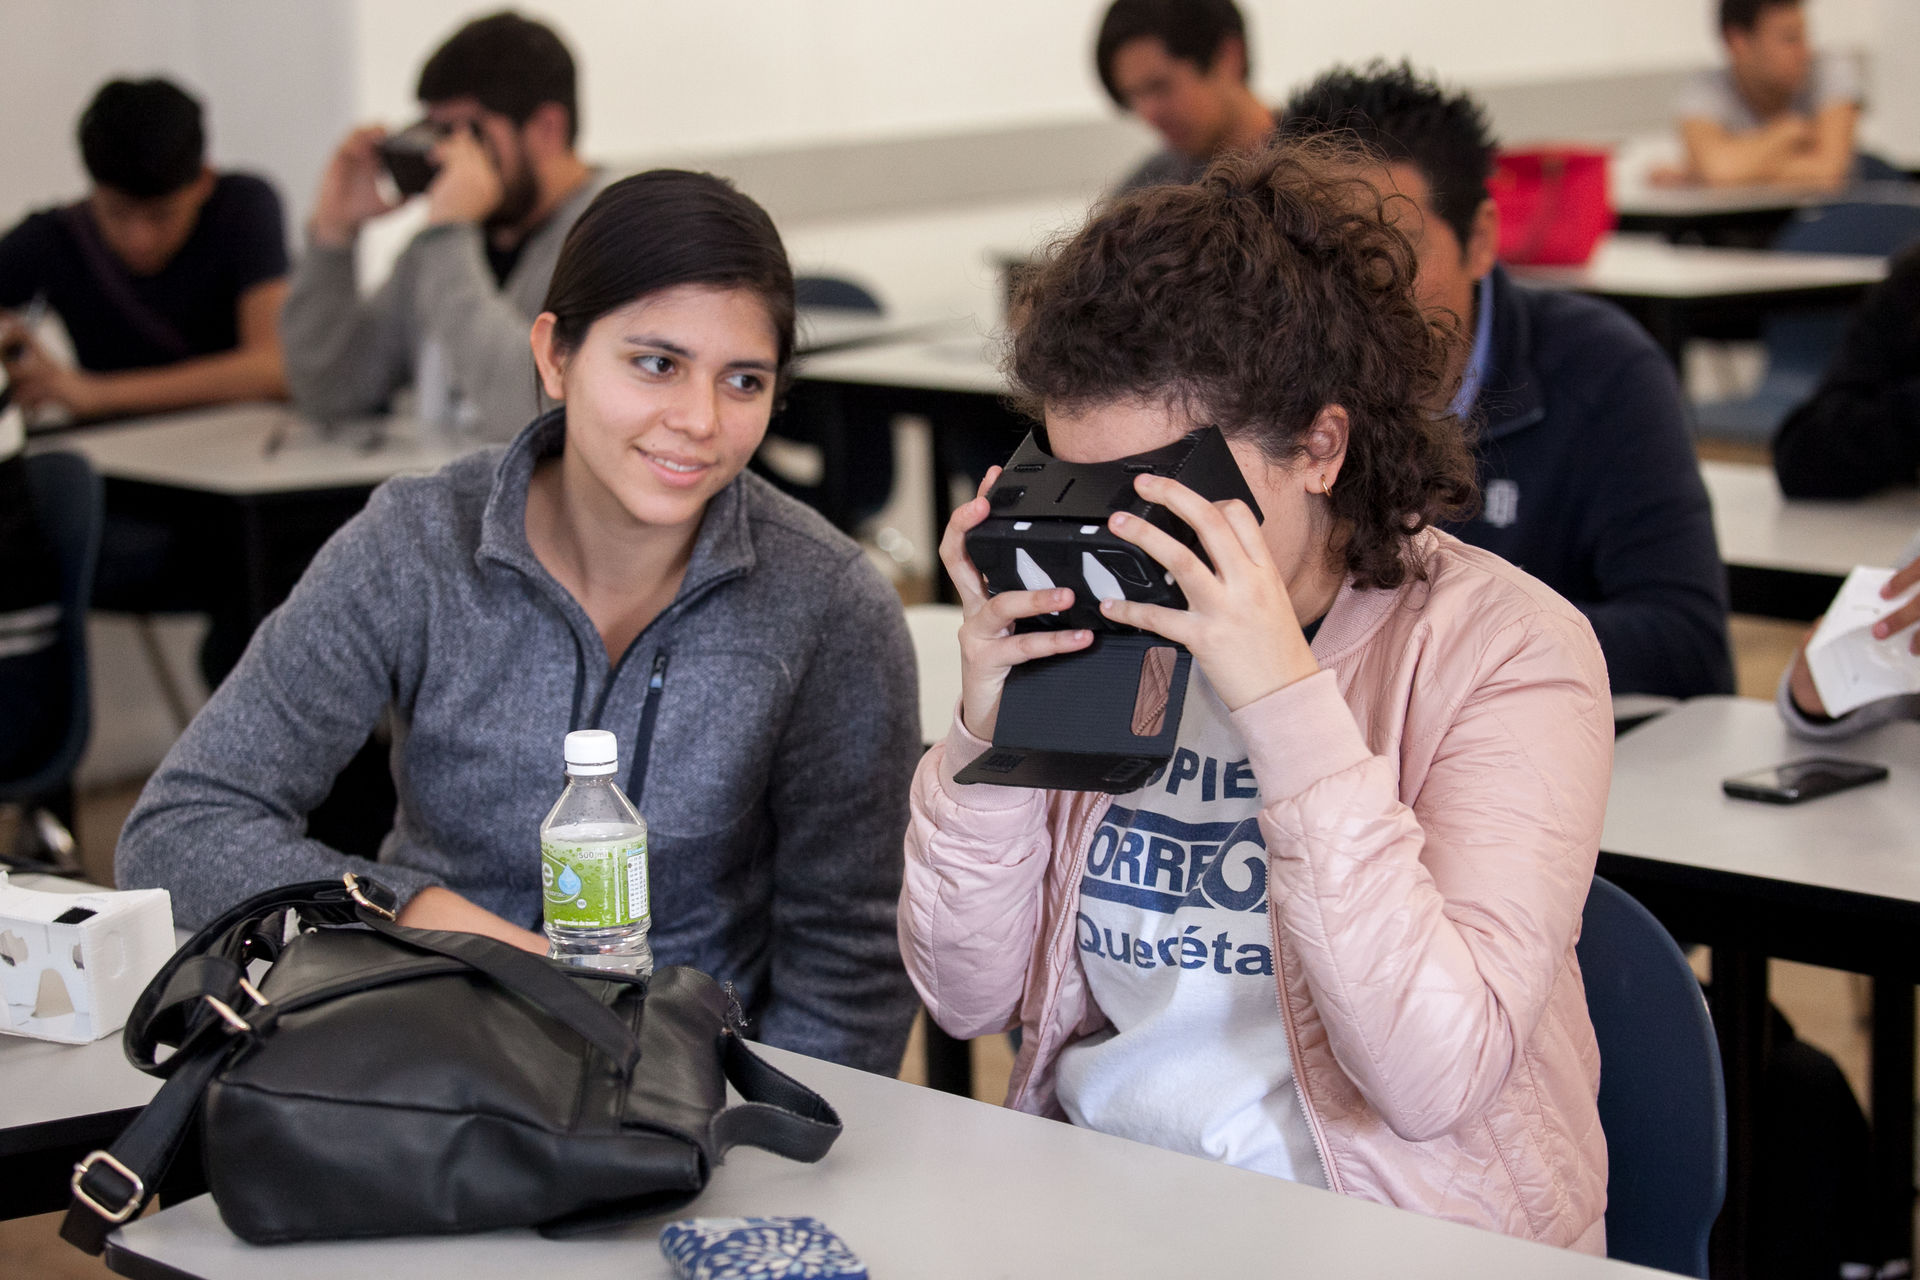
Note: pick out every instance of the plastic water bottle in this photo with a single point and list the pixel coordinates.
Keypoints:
(593, 864)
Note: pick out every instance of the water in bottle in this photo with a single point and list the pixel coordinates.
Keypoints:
(593, 864)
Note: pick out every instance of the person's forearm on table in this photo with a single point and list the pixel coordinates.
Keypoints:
(437, 908)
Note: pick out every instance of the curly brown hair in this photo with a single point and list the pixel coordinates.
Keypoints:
(1269, 290)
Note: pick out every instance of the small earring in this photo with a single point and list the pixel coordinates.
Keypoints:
(1326, 486)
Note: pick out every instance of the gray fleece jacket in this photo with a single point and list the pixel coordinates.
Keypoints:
(347, 355)
(767, 723)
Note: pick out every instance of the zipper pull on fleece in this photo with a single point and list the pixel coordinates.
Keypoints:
(643, 739)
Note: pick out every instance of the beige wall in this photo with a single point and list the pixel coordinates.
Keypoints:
(766, 77)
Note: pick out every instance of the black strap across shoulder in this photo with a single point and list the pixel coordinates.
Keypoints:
(202, 1004)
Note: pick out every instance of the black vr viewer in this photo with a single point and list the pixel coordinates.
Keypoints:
(1104, 718)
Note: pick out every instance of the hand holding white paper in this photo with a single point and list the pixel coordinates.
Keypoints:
(1850, 668)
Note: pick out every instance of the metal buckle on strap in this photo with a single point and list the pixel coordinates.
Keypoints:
(352, 882)
(253, 994)
(228, 1016)
(134, 1199)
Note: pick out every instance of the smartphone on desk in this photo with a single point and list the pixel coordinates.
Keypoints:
(1799, 780)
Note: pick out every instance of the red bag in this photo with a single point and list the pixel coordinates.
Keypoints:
(1553, 204)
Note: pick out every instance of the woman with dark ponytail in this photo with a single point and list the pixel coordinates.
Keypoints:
(615, 567)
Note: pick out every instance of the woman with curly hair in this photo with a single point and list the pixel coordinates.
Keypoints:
(1333, 939)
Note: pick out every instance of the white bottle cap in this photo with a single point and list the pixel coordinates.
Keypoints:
(592, 752)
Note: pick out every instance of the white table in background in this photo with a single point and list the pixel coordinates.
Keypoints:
(1674, 289)
(256, 487)
(1751, 214)
(928, 1185)
(953, 380)
(1833, 882)
(1786, 557)
(257, 450)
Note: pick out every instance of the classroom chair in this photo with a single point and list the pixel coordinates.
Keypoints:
(66, 495)
(853, 445)
(936, 653)
(1800, 345)
(1663, 1104)
(935, 629)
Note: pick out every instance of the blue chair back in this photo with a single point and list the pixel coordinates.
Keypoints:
(834, 293)
(66, 496)
(1663, 1104)
(1880, 227)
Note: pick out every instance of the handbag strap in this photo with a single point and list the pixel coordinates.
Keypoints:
(110, 1187)
(531, 977)
(778, 1114)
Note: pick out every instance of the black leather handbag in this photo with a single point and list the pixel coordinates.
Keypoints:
(381, 1080)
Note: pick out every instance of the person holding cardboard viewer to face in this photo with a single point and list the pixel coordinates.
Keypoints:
(1332, 939)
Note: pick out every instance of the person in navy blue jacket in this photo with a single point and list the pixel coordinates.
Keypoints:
(1589, 478)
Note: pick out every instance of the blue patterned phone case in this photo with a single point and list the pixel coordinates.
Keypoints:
(761, 1248)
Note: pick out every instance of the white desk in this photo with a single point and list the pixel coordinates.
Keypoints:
(1666, 803)
(59, 1101)
(253, 489)
(1674, 289)
(1642, 203)
(1748, 213)
(928, 1185)
(1785, 558)
(1832, 882)
(961, 359)
(1647, 267)
(255, 450)
(43, 1083)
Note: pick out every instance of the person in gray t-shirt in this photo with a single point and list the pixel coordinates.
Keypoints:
(1181, 66)
(1775, 112)
(452, 318)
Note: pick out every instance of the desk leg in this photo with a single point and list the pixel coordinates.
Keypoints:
(1664, 321)
(939, 503)
(255, 559)
(949, 1062)
(1739, 1003)
(1893, 1066)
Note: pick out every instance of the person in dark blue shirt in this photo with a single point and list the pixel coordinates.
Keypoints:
(168, 277)
(1589, 479)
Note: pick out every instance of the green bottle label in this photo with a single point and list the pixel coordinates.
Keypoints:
(594, 884)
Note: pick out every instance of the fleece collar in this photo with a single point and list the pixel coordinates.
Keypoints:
(1510, 395)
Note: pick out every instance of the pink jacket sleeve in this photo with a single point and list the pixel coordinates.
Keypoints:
(973, 895)
(1431, 935)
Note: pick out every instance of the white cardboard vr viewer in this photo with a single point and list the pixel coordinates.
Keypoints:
(72, 964)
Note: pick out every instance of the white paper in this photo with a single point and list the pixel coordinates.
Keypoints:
(1850, 668)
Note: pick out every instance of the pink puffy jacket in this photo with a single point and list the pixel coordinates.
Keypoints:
(1434, 797)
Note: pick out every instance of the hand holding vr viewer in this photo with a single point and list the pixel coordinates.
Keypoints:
(1076, 683)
